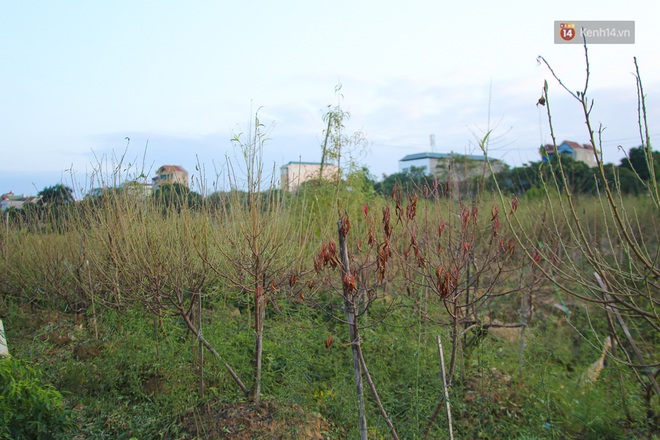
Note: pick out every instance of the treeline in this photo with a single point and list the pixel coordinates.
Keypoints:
(58, 201)
(632, 176)
(56, 204)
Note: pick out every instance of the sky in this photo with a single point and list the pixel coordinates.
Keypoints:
(95, 91)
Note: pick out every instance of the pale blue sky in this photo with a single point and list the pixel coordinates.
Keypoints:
(78, 77)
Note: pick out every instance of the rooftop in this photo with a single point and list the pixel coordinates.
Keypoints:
(573, 145)
(172, 168)
(305, 163)
(427, 155)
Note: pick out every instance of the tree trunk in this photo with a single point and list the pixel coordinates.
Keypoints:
(201, 346)
(445, 386)
(324, 151)
(374, 392)
(351, 318)
(206, 343)
(259, 315)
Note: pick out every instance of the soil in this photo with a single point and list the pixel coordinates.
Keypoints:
(243, 421)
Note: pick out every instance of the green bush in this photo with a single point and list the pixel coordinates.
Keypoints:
(30, 409)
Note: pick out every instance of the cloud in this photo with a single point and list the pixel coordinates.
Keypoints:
(397, 115)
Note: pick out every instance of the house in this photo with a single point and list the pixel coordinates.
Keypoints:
(10, 200)
(581, 153)
(168, 174)
(449, 166)
(141, 189)
(132, 188)
(293, 174)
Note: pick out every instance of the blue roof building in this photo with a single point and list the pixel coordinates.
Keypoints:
(449, 166)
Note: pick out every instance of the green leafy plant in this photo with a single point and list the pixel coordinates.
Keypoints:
(29, 408)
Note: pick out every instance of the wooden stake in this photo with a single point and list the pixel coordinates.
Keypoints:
(444, 385)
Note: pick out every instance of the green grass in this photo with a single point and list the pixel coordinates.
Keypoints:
(141, 383)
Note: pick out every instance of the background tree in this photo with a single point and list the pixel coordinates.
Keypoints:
(580, 178)
(571, 173)
(622, 179)
(414, 181)
(57, 208)
(517, 180)
(639, 161)
(55, 195)
(337, 142)
(177, 196)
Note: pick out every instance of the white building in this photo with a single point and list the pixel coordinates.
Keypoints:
(451, 166)
(10, 200)
(293, 174)
(581, 153)
(170, 174)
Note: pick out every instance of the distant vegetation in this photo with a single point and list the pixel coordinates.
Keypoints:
(632, 176)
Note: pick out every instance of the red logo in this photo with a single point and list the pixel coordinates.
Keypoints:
(567, 31)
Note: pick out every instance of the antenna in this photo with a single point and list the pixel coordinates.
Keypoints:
(432, 140)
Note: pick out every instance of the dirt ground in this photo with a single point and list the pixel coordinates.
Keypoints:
(245, 421)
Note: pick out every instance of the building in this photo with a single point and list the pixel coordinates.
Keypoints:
(140, 190)
(168, 174)
(10, 200)
(449, 166)
(293, 174)
(132, 188)
(581, 153)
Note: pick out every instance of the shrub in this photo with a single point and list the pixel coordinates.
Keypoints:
(29, 408)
